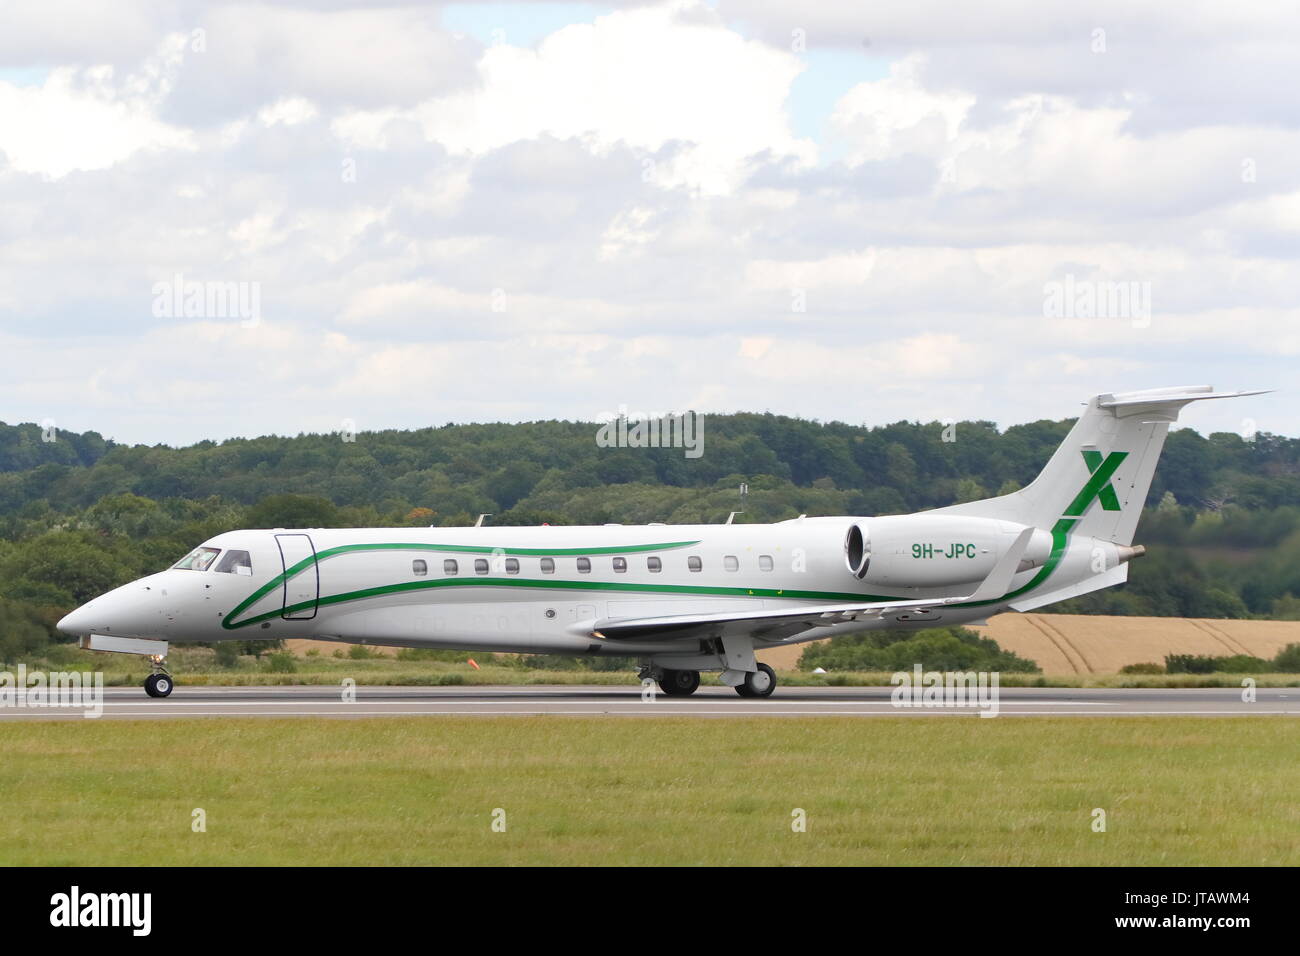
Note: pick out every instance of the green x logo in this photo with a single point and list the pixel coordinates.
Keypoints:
(1098, 486)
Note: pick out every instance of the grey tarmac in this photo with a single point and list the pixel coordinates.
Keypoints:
(606, 701)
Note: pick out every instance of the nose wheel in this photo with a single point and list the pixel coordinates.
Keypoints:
(159, 683)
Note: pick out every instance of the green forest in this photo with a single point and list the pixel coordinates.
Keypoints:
(80, 514)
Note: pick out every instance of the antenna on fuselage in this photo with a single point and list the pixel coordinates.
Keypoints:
(479, 522)
(731, 517)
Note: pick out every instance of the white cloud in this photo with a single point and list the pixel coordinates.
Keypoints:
(84, 32)
(644, 77)
(81, 120)
(634, 188)
(1200, 62)
(290, 110)
(896, 116)
(254, 55)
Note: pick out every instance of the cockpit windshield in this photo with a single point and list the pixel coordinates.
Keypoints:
(200, 559)
(235, 562)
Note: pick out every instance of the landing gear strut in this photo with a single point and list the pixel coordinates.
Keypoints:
(759, 683)
(679, 683)
(159, 683)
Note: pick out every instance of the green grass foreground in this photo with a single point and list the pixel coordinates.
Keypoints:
(941, 790)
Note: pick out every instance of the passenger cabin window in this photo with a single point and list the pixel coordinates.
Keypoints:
(620, 565)
(512, 565)
(548, 565)
(480, 566)
(765, 562)
(200, 559)
(654, 565)
(584, 565)
(449, 566)
(693, 563)
(235, 562)
(420, 567)
(730, 562)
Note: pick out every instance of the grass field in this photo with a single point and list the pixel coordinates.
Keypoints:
(1096, 644)
(1082, 646)
(588, 791)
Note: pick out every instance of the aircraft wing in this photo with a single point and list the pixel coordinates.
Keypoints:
(782, 623)
(773, 625)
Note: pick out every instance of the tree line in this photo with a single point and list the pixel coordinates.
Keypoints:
(80, 514)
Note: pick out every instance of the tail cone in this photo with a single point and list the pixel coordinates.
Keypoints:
(1128, 553)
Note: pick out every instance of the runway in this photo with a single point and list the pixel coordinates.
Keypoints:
(599, 701)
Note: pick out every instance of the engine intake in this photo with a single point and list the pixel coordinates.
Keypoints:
(857, 551)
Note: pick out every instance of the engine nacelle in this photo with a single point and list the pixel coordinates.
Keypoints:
(934, 550)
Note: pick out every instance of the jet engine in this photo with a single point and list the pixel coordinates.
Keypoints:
(934, 550)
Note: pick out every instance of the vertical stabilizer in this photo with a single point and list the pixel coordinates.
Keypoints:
(1099, 476)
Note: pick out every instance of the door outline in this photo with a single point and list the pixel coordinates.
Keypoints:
(300, 615)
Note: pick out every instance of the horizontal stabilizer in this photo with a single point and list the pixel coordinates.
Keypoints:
(1164, 404)
(1185, 393)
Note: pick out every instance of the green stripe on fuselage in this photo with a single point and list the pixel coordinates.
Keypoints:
(305, 563)
(1060, 543)
(558, 585)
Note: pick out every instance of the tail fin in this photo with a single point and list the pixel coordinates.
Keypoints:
(1101, 473)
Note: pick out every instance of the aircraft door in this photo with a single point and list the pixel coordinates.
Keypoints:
(302, 588)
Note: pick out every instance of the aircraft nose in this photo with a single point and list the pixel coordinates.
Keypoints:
(132, 610)
(77, 623)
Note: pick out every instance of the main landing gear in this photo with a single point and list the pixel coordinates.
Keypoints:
(159, 683)
(759, 683)
(679, 683)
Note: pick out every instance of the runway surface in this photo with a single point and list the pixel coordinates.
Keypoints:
(588, 701)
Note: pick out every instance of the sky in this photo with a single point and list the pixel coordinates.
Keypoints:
(233, 219)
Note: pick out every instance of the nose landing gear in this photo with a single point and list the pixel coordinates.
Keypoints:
(159, 683)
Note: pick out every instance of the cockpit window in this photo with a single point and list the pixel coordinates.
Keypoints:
(200, 559)
(235, 562)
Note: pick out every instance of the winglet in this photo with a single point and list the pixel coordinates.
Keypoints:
(998, 582)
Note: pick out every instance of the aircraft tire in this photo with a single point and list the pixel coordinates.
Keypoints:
(679, 683)
(761, 683)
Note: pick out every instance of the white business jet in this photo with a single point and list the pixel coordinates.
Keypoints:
(682, 598)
